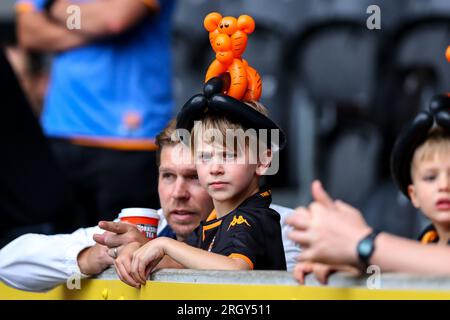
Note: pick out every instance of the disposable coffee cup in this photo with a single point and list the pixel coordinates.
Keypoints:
(145, 219)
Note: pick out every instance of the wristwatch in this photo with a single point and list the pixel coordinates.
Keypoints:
(365, 249)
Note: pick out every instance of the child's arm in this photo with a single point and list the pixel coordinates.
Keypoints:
(396, 254)
(150, 257)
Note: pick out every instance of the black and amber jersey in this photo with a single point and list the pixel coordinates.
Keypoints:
(429, 235)
(251, 232)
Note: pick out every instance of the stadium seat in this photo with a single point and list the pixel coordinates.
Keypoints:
(335, 76)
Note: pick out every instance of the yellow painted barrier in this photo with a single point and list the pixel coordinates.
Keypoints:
(94, 289)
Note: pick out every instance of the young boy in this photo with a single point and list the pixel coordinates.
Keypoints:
(242, 233)
(420, 166)
(430, 188)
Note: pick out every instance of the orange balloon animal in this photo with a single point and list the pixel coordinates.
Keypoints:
(228, 38)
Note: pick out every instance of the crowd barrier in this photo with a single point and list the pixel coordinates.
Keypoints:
(243, 285)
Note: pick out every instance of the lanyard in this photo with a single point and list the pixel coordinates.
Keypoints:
(211, 244)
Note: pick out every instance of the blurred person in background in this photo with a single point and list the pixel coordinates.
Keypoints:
(109, 95)
(32, 192)
(32, 71)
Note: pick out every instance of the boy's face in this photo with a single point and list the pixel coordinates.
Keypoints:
(223, 173)
(430, 190)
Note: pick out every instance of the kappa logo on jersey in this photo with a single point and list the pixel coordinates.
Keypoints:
(238, 220)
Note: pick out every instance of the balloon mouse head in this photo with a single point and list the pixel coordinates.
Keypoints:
(228, 38)
(228, 35)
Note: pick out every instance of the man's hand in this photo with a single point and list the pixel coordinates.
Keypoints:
(119, 234)
(94, 260)
(321, 271)
(327, 230)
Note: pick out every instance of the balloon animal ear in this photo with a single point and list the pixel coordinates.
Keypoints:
(405, 145)
(212, 21)
(439, 103)
(440, 107)
(216, 85)
(246, 24)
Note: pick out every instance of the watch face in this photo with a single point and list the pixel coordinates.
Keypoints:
(365, 247)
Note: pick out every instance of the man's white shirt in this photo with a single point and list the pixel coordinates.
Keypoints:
(36, 262)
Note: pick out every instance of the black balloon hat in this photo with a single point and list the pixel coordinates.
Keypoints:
(213, 101)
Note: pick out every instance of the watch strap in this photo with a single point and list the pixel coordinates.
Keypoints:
(365, 255)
